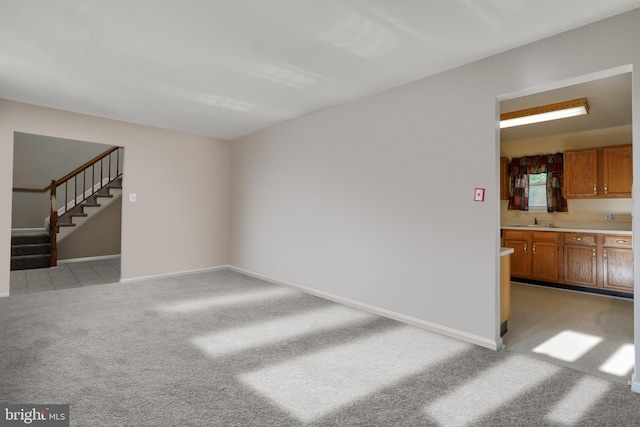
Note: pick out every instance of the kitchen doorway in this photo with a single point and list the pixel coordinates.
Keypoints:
(565, 324)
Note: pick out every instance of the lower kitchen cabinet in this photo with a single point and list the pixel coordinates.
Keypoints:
(580, 259)
(545, 256)
(617, 262)
(592, 260)
(518, 240)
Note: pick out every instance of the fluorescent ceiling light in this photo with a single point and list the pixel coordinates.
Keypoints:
(560, 110)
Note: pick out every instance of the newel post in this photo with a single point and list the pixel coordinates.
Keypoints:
(53, 225)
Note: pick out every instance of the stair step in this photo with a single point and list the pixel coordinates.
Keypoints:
(65, 225)
(91, 205)
(79, 214)
(26, 262)
(103, 195)
(32, 249)
(28, 236)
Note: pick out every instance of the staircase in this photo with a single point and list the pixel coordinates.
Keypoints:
(30, 248)
(83, 212)
(83, 193)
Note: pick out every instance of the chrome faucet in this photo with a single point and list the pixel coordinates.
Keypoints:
(535, 221)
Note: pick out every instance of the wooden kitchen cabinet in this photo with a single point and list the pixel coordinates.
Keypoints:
(617, 263)
(520, 261)
(617, 167)
(604, 172)
(594, 260)
(535, 254)
(545, 256)
(581, 173)
(580, 260)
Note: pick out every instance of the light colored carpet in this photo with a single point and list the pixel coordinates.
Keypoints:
(223, 349)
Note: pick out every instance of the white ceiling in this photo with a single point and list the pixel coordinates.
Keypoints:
(228, 68)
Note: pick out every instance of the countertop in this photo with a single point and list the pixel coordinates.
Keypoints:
(567, 229)
(506, 251)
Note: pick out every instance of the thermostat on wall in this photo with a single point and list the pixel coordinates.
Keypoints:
(479, 195)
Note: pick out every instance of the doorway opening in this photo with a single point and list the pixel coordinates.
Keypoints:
(566, 307)
(87, 247)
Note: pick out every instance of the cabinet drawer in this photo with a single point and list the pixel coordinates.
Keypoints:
(623, 241)
(544, 236)
(514, 235)
(580, 238)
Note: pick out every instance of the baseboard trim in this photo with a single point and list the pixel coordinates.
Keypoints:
(91, 258)
(433, 327)
(5, 295)
(635, 385)
(174, 274)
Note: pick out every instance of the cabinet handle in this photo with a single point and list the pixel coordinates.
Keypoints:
(605, 188)
(578, 238)
(525, 248)
(594, 253)
(605, 253)
(621, 241)
(534, 249)
(595, 188)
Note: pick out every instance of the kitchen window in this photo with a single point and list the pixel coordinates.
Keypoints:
(535, 183)
(538, 192)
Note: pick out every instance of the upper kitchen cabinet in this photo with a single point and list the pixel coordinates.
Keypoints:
(581, 173)
(617, 169)
(604, 172)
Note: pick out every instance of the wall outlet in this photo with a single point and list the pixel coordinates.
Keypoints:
(609, 216)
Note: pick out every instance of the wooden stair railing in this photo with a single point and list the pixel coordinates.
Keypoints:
(111, 159)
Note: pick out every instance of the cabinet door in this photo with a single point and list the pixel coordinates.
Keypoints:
(618, 171)
(581, 173)
(519, 257)
(544, 261)
(580, 265)
(618, 269)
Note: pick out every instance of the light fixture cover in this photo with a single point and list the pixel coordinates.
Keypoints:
(560, 110)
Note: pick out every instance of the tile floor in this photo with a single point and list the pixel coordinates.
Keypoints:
(65, 276)
(586, 332)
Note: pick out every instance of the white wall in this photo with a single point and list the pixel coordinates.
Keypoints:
(180, 220)
(372, 201)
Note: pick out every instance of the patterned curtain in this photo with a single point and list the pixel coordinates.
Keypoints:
(555, 184)
(519, 170)
(518, 184)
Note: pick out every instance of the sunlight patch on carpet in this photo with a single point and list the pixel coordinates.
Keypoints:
(312, 386)
(278, 330)
(568, 345)
(621, 362)
(577, 403)
(227, 300)
(467, 404)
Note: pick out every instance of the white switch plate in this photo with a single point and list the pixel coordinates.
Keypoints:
(132, 197)
(609, 216)
(478, 195)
